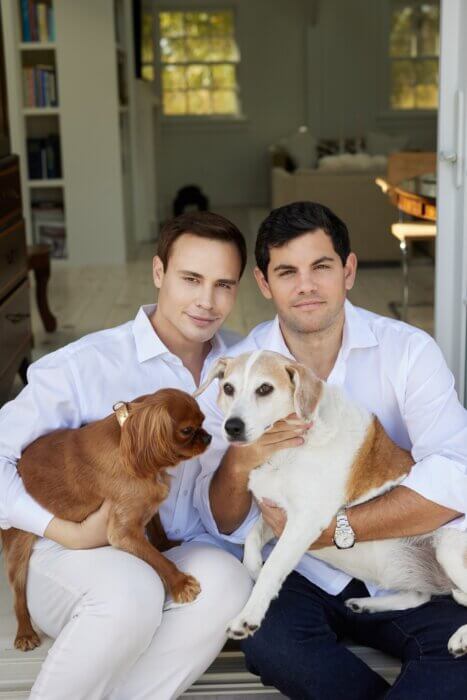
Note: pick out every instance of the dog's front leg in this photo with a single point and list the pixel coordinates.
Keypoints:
(297, 536)
(130, 538)
(259, 534)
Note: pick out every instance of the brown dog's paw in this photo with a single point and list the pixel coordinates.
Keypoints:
(185, 590)
(27, 642)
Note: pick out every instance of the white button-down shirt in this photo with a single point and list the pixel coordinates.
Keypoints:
(79, 384)
(399, 374)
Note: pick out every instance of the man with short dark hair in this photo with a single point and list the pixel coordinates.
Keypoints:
(306, 267)
(115, 634)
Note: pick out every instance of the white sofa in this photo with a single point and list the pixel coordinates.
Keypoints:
(354, 197)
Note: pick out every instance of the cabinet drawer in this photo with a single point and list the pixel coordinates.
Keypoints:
(10, 190)
(15, 325)
(13, 257)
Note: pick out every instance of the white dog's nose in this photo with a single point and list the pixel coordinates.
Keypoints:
(235, 428)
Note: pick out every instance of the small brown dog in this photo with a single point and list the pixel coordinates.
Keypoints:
(121, 459)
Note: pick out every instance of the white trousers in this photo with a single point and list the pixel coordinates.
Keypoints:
(115, 635)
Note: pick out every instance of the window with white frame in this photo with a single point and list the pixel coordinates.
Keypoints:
(414, 54)
(199, 58)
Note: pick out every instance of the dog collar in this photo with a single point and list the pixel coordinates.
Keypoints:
(121, 411)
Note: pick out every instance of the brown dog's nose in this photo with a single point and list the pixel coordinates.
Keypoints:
(205, 437)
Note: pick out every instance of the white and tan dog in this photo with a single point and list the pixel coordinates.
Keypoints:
(347, 458)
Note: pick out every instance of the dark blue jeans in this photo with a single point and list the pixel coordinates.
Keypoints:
(298, 649)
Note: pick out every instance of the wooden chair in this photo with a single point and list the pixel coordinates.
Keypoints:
(39, 263)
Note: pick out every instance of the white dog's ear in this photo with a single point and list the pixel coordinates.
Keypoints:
(307, 389)
(216, 372)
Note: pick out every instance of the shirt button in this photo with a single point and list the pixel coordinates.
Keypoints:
(177, 531)
(185, 493)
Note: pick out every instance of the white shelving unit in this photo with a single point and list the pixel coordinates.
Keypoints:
(95, 126)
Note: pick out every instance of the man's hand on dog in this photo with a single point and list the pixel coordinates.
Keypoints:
(283, 434)
(88, 534)
(276, 518)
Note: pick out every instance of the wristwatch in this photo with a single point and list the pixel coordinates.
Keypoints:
(344, 536)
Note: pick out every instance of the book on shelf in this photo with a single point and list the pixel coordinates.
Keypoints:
(39, 86)
(48, 223)
(44, 161)
(54, 234)
(37, 21)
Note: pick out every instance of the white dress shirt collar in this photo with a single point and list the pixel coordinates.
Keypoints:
(148, 343)
(357, 334)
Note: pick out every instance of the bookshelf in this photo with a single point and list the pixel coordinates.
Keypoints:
(71, 109)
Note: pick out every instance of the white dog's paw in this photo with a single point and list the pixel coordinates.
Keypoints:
(243, 626)
(356, 605)
(457, 645)
(253, 562)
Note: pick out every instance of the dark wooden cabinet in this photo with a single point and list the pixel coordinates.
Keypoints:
(15, 313)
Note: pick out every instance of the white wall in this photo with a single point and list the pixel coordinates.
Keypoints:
(320, 62)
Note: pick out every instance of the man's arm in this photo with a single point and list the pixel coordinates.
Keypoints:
(47, 403)
(229, 495)
(399, 513)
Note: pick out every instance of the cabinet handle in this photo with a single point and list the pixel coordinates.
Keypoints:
(11, 256)
(17, 318)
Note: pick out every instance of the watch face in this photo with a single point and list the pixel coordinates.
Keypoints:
(344, 540)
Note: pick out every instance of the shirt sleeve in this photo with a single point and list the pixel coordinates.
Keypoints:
(210, 461)
(48, 402)
(437, 426)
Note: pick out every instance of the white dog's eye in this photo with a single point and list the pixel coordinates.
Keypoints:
(264, 389)
(228, 389)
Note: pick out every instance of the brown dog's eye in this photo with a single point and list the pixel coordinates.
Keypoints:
(228, 389)
(264, 389)
(187, 431)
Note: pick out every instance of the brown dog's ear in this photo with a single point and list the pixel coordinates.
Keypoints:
(217, 371)
(147, 442)
(307, 389)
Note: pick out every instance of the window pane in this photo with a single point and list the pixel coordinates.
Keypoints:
(173, 50)
(224, 102)
(224, 76)
(426, 92)
(197, 24)
(222, 23)
(147, 43)
(171, 24)
(147, 72)
(174, 103)
(198, 49)
(173, 77)
(198, 76)
(401, 40)
(402, 85)
(224, 50)
(199, 102)
(429, 30)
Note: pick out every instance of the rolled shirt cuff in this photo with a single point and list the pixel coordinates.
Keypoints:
(442, 481)
(26, 514)
(204, 506)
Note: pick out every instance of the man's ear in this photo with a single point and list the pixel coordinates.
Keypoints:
(262, 283)
(306, 389)
(216, 371)
(350, 271)
(157, 271)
